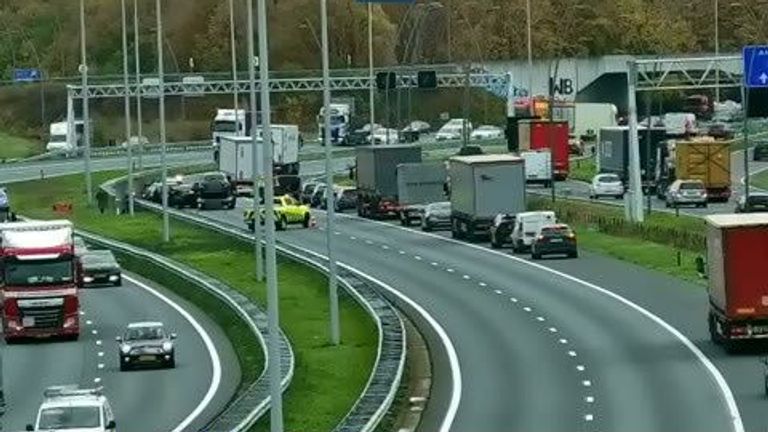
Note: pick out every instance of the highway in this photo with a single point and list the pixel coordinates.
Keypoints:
(528, 339)
(143, 400)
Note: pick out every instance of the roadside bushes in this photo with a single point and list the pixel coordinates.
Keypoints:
(683, 232)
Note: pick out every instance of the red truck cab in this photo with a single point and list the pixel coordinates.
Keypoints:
(737, 251)
(40, 276)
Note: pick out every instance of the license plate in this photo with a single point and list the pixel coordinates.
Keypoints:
(147, 358)
(28, 321)
(556, 240)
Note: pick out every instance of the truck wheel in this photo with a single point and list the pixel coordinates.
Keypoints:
(455, 233)
(469, 232)
(305, 222)
(713, 334)
(425, 227)
(494, 243)
(123, 366)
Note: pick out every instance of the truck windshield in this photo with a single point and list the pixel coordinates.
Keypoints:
(224, 126)
(69, 418)
(39, 272)
(58, 138)
(337, 119)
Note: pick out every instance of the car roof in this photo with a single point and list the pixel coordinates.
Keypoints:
(737, 220)
(74, 401)
(537, 213)
(557, 225)
(145, 324)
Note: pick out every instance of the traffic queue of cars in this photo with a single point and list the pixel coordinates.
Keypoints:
(202, 191)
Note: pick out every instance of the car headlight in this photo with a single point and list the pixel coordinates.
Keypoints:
(114, 278)
(167, 346)
(87, 279)
(125, 349)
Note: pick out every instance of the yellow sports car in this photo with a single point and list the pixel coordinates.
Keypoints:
(287, 211)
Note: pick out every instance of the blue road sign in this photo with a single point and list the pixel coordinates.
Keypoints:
(755, 66)
(27, 75)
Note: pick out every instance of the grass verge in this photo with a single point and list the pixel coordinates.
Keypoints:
(760, 180)
(583, 169)
(663, 242)
(12, 147)
(328, 379)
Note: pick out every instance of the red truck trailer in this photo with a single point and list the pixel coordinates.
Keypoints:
(41, 275)
(737, 253)
(545, 134)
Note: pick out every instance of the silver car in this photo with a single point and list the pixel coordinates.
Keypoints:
(686, 192)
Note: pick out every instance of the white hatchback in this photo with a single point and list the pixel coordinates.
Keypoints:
(606, 185)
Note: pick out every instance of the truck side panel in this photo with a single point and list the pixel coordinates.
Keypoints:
(377, 167)
(746, 252)
(612, 152)
(499, 189)
(462, 188)
(420, 183)
(709, 162)
(716, 267)
(227, 157)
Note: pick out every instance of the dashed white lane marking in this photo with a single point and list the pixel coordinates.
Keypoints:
(368, 242)
(466, 277)
(352, 238)
(82, 313)
(450, 270)
(402, 252)
(540, 319)
(385, 247)
(586, 383)
(98, 342)
(417, 258)
(434, 264)
(589, 417)
(95, 332)
(572, 353)
(336, 233)
(100, 354)
(483, 284)
(580, 368)
(321, 228)
(513, 300)
(552, 330)
(589, 399)
(497, 291)
(89, 322)
(101, 366)
(97, 380)
(563, 341)
(527, 309)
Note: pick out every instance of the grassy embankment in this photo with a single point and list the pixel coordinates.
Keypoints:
(13, 147)
(655, 244)
(327, 379)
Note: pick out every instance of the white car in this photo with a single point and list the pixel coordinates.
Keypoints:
(606, 185)
(135, 141)
(417, 126)
(384, 136)
(448, 133)
(487, 132)
(72, 408)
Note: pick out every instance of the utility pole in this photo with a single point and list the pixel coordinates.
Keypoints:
(137, 50)
(233, 43)
(332, 278)
(550, 135)
(275, 389)
(635, 201)
(163, 148)
(257, 163)
(531, 109)
(127, 100)
(717, 51)
(372, 89)
(464, 125)
(86, 114)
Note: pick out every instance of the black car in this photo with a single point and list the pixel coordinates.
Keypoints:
(501, 229)
(306, 192)
(317, 196)
(182, 195)
(100, 268)
(344, 199)
(760, 152)
(436, 215)
(556, 239)
(146, 343)
(288, 185)
(757, 202)
(214, 191)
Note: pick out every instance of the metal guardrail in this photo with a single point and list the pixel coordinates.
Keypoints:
(373, 404)
(253, 402)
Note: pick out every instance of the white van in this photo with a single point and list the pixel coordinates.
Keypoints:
(538, 167)
(61, 141)
(527, 225)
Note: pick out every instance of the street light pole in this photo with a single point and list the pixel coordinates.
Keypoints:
(161, 87)
(233, 44)
(276, 408)
(256, 160)
(332, 279)
(86, 114)
(531, 109)
(372, 88)
(136, 48)
(127, 100)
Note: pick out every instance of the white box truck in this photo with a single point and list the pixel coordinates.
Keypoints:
(538, 167)
(63, 141)
(483, 186)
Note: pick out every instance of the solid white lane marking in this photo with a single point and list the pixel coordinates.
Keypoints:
(722, 384)
(586, 383)
(572, 353)
(580, 368)
(589, 417)
(209, 345)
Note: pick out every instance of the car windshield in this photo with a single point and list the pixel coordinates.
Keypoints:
(440, 207)
(349, 193)
(691, 186)
(38, 272)
(98, 258)
(608, 179)
(555, 231)
(224, 126)
(337, 119)
(308, 188)
(69, 418)
(144, 333)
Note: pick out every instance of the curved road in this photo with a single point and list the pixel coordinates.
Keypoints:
(537, 351)
(143, 400)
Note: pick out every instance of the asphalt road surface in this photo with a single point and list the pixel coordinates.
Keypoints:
(537, 351)
(143, 400)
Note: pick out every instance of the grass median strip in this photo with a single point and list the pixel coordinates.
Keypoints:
(327, 380)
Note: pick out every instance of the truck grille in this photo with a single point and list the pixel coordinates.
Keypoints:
(45, 317)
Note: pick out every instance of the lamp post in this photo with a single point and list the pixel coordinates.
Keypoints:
(161, 109)
(233, 49)
(139, 126)
(127, 100)
(372, 87)
(256, 162)
(276, 408)
(531, 109)
(86, 115)
(717, 51)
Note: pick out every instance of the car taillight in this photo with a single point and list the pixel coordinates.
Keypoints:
(741, 330)
(11, 308)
